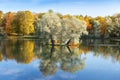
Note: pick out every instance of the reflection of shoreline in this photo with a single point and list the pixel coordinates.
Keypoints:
(106, 48)
(15, 46)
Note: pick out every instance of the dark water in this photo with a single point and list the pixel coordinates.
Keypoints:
(30, 60)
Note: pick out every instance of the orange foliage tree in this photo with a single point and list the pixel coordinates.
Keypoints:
(103, 23)
(8, 19)
(88, 22)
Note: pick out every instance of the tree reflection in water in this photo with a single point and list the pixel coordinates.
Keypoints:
(105, 48)
(68, 61)
(56, 58)
(20, 50)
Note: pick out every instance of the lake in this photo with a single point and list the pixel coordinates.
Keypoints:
(25, 59)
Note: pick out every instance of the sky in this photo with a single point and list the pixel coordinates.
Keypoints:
(75, 7)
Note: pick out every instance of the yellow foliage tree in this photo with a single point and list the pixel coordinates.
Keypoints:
(1, 56)
(1, 17)
(24, 22)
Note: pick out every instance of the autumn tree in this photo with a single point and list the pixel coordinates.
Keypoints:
(1, 18)
(88, 22)
(23, 22)
(1, 14)
(103, 23)
(67, 16)
(8, 19)
(80, 17)
(60, 15)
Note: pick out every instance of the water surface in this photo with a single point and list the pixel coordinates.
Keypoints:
(30, 60)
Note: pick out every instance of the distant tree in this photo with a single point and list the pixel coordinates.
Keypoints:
(113, 25)
(1, 14)
(67, 16)
(60, 15)
(50, 11)
(96, 28)
(88, 22)
(80, 17)
(40, 15)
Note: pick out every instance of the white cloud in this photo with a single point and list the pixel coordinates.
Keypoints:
(9, 71)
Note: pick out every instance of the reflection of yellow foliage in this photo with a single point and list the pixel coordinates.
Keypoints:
(81, 51)
(29, 46)
(26, 54)
(28, 51)
(1, 56)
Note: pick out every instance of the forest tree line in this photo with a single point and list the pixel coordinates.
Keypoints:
(29, 23)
